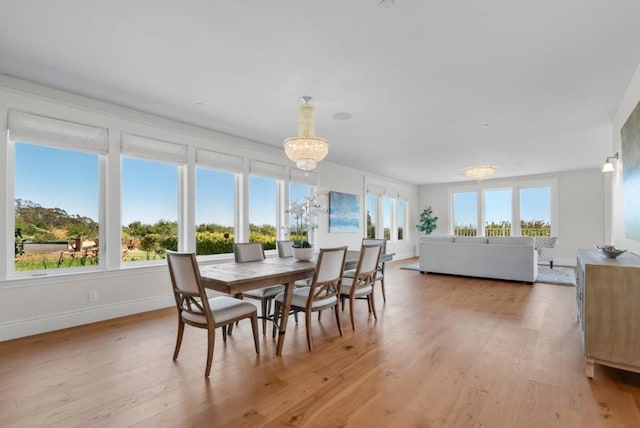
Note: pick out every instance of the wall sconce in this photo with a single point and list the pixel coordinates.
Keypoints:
(608, 164)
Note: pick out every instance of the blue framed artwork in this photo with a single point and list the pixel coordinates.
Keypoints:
(630, 136)
(344, 213)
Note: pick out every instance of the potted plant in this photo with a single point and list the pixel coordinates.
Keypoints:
(427, 221)
(304, 216)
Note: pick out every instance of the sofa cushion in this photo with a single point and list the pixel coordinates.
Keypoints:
(471, 239)
(511, 240)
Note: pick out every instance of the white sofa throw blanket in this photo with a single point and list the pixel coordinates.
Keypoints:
(512, 258)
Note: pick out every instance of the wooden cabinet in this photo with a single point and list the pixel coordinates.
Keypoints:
(608, 301)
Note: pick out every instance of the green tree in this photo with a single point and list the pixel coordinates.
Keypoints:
(371, 228)
(427, 221)
(150, 243)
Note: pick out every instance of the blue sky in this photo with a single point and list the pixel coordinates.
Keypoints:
(534, 205)
(58, 178)
(69, 180)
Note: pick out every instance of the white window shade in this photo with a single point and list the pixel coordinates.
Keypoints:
(374, 189)
(404, 196)
(219, 161)
(303, 177)
(391, 192)
(157, 150)
(266, 169)
(32, 128)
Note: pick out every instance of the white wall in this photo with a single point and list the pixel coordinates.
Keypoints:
(615, 197)
(581, 208)
(349, 180)
(39, 304)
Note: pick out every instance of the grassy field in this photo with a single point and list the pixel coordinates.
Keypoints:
(55, 260)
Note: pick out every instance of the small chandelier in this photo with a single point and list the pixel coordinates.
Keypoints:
(479, 172)
(306, 150)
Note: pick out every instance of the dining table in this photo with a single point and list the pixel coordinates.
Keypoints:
(235, 278)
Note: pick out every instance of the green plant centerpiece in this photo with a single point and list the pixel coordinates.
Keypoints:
(427, 221)
(304, 216)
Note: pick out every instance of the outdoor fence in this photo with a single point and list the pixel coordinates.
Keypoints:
(502, 231)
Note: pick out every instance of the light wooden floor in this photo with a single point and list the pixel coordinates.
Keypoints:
(445, 351)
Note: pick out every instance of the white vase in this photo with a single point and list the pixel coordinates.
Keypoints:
(303, 254)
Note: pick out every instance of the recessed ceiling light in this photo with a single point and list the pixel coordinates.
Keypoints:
(343, 115)
(485, 126)
(200, 104)
(386, 3)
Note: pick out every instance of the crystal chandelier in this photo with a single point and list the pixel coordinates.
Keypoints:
(306, 150)
(479, 172)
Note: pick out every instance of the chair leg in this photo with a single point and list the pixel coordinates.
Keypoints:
(254, 328)
(211, 335)
(265, 311)
(353, 324)
(307, 321)
(372, 304)
(276, 314)
(230, 328)
(241, 297)
(224, 333)
(551, 264)
(319, 315)
(384, 294)
(178, 338)
(337, 312)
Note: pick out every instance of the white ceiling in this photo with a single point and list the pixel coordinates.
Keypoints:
(420, 78)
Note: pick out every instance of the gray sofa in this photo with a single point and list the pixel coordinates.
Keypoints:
(510, 258)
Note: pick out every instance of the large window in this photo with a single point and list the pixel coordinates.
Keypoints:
(401, 216)
(56, 207)
(386, 216)
(519, 210)
(263, 209)
(535, 211)
(497, 212)
(57, 192)
(372, 202)
(465, 214)
(215, 211)
(168, 196)
(149, 209)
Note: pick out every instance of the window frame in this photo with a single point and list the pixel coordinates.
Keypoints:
(219, 256)
(8, 158)
(279, 209)
(484, 192)
(480, 189)
(400, 201)
(180, 207)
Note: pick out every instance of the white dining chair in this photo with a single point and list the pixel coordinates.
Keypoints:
(252, 252)
(197, 310)
(380, 275)
(361, 285)
(321, 294)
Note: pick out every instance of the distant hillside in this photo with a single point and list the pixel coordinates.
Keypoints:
(40, 223)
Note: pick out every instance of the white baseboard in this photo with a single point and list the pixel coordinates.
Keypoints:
(30, 326)
(564, 262)
(404, 255)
